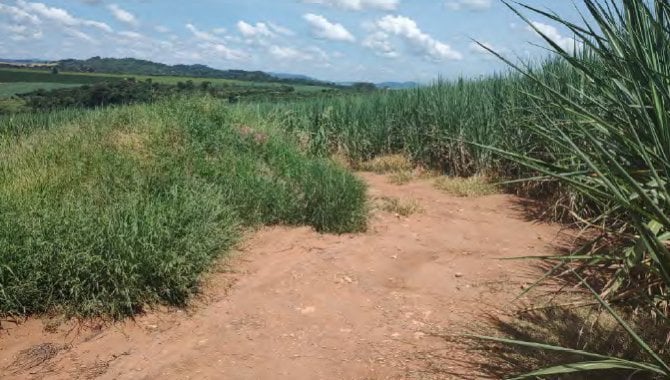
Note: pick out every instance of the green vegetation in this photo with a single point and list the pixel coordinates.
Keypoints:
(130, 91)
(12, 75)
(106, 211)
(11, 89)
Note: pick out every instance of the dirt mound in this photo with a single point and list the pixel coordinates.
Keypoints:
(294, 304)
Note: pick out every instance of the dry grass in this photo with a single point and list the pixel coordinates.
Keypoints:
(393, 163)
(476, 186)
(398, 207)
(401, 178)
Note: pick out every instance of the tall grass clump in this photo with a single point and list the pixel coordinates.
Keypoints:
(611, 139)
(103, 212)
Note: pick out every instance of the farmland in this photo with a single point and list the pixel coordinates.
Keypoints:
(110, 211)
(13, 88)
(9, 75)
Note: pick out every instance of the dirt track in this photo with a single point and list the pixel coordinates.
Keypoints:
(299, 305)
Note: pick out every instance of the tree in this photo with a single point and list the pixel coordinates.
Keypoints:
(54, 70)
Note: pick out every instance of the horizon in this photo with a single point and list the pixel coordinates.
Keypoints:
(330, 40)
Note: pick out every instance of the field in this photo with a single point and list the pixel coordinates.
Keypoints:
(111, 211)
(11, 89)
(26, 75)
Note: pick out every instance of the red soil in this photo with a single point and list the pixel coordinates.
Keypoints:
(294, 304)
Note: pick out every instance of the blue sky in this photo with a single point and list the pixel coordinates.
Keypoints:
(341, 40)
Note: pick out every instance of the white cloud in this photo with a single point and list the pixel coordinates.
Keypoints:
(254, 31)
(122, 15)
(380, 43)
(473, 5)
(131, 35)
(22, 32)
(225, 52)
(566, 43)
(287, 53)
(80, 35)
(414, 38)
(322, 28)
(358, 5)
(60, 16)
(202, 35)
(162, 29)
(18, 14)
(216, 45)
(280, 29)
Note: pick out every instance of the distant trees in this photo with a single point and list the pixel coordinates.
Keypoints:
(54, 70)
(364, 86)
(130, 90)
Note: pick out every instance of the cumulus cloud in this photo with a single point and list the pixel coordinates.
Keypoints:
(202, 35)
(131, 35)
(20, 32)
(122, 15)
(358, 5)
(60, 16)
(216, 45)
(566, 43)
(412, 36)
(289, 53)
(19, 15)
(252, 31)
(225, 52)
(280, 29)
(80, 35)
(322, 28)
(381, 44)
(473, 5)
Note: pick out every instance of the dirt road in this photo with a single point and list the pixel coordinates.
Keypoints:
(298, 305)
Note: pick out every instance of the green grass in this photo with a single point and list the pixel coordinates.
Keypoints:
(104, 212)
(13, 88)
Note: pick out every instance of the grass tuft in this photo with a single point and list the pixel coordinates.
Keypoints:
(476, 186)
(104, 212)
(401, 178)
(387, 164)
(398, 207)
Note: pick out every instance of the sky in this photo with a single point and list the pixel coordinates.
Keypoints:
(337, 40)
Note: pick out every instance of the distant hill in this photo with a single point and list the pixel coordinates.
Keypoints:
(397, 85)
(24, 61)
(292, 76)
(132, 66)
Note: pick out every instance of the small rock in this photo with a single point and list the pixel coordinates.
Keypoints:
(308, 310)
(458, 275)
